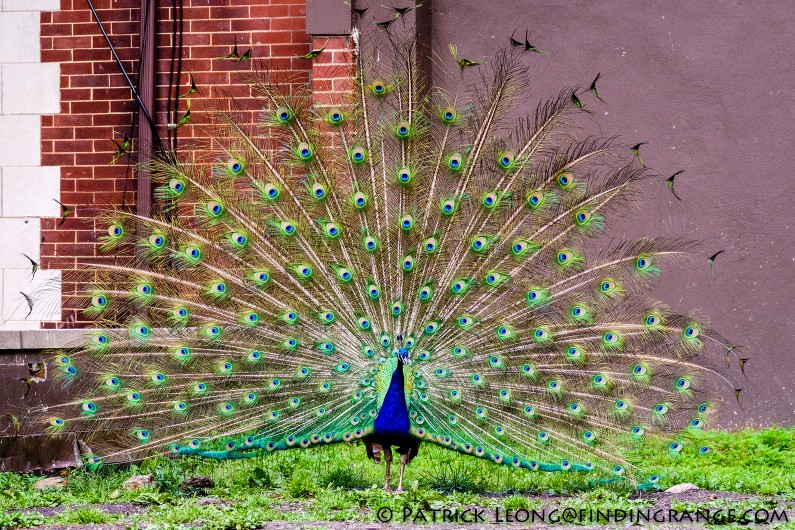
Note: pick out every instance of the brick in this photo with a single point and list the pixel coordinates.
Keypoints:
(111, 119)
(56, 56)
(112, 94)
(58, 159)
(227, 12)
(71, 43)
(74, 146)
(200, 26)
(290, 50)
(58, 236)
(269, 11)
(288, 23)
(75, 69)
(56, 30)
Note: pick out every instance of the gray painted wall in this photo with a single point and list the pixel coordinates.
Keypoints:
(711, 86)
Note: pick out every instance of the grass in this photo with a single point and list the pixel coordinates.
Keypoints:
(336, 483)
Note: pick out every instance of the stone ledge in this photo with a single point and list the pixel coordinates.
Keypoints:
(37, 339)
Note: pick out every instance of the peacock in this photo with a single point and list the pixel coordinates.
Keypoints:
(403, 263)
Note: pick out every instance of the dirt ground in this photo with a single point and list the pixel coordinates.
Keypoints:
(489, 518)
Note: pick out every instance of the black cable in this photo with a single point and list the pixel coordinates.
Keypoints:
(179, 74)
(124, 73)
(171, 116)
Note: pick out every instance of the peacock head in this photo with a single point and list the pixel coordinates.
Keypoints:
(403, 352)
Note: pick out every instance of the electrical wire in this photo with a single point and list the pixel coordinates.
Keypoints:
(137, 97)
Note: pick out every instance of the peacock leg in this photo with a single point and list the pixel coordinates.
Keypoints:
(403, 461)
(388, 462)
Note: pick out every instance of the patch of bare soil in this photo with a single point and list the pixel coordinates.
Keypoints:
(490, 518)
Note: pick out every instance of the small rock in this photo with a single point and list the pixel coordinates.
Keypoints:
(682, 488)
(197, 483)
(137, 482)
(50, 482)
(208, 500)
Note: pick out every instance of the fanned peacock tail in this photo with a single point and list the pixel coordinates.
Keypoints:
(267, 301)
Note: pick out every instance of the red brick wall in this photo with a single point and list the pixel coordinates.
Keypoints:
(96, 105)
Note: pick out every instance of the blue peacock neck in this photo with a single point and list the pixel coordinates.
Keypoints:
(393, 417)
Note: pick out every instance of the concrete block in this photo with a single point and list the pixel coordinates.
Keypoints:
(29, 191)
(31, 5)
(21, 140)
(44, 289)
(19, 36)
(31, 88)
(53, 338)
(9, 340)
(17, 236)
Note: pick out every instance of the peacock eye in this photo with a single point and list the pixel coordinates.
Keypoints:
(283, 114)
(448, 115)
(642, 263)
(506, 159)
(402, 129)
(404, 175)
(304, 151)
(564, 180)
(357, 154)
(176, 185)
(335, 115)
(235, 166)
(455, 162)
(378, 87)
